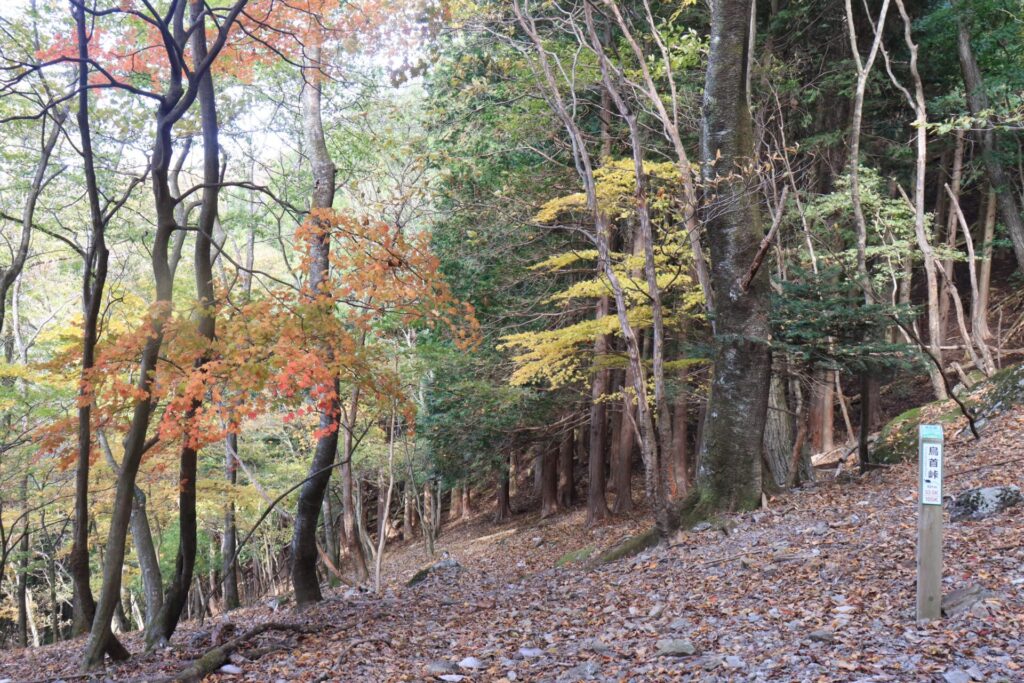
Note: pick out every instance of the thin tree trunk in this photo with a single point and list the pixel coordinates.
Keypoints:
(22, 595)
(597, 506)
(985, 271)
(955, 179)
(307, 514)
(142, 540)
(352, 547)
(549, 480)
(176, 595)
(503, 508)
(977, 103)
(229, 569)
(566, 474)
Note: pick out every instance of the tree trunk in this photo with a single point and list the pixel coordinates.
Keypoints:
(566, 474)
(778, 432)
(597, 506)
(730, 462)
(821, 418)
(956, 176)
(311, 496)
(229, 568)
(622, 465)
(455, 512)
(549, 480)
(681, 447)
(353, 549)
(176, 595)
(985, 270)
(503, 509)
(977, 103)
(22, 595)
(408, 522)
(467, 501)
(94, 275)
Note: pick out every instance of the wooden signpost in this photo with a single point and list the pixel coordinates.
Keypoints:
(929, 523)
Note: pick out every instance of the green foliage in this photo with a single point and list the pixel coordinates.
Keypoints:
(823, 321)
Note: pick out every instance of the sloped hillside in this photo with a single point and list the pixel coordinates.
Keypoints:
(819, 586)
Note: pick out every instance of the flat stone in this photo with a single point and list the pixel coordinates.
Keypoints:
(656, 611)
(822, 635)
(531, 651)
(984, 502)
(595, 645)
(676, 647)
(956, 676)
(440, 667)
(585, 671)
(734, 662)
(471, 663)
(964, 599)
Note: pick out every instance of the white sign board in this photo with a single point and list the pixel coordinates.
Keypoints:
(931, 474)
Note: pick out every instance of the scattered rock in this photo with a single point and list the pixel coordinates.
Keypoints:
(452, 678)
(984, 502)
(676, 647)
(471, 663)
(441, 667)
(711, 662)
(734, 662)
(656, 611)
(531, 651)
(587, 671)
(595, 645)
(822, 635)
(701, 526)
(537, 541)
(963, 599)
(956, 676)
(230, 669)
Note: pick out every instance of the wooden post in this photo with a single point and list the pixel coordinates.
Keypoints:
(929, 523)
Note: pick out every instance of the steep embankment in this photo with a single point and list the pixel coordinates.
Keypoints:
(820, 586)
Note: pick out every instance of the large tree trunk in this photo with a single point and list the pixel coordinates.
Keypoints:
(977, 103)
(730, 463)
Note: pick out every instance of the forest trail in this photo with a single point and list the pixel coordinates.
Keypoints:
(818, 587)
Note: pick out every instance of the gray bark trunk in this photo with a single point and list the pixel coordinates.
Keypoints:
(730, 462)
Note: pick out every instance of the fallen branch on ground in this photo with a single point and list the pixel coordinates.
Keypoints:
(218, 656)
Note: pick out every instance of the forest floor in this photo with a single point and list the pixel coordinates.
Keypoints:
(817, 587)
